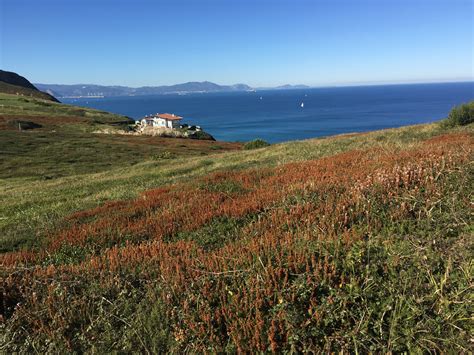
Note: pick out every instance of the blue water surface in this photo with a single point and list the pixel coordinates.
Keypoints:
(277, 115)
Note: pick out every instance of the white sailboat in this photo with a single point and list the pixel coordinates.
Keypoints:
(302, 104)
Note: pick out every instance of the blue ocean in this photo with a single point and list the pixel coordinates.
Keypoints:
(283, 115)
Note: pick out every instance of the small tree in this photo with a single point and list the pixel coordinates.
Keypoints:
(460, 115)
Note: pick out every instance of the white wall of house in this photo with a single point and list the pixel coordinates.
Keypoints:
(161, 122)
(156, 122)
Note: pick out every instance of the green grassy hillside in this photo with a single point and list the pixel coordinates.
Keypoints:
(12, 83)
(6, 88)
(356, 243)
(64, 151)
(14, 105)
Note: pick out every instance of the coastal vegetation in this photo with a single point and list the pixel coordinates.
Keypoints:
(64, 153)
(355, 243)
(255, 144)
(460, 115)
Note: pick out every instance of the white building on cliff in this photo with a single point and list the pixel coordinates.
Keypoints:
(162, 120)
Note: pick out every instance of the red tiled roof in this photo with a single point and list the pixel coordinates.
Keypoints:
(169, 116)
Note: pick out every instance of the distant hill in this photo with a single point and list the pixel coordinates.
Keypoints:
(286, 87)
(78, 90)
(92, 90)
(88, 90)
(12, 83)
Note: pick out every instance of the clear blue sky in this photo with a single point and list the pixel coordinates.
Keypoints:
(259, 42)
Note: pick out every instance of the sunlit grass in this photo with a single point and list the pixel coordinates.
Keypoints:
(30, 205)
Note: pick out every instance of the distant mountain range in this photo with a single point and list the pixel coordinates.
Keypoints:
(89, 90)
(289, 87)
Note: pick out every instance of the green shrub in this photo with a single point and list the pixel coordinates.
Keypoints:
(201, 135)
(255, 144)
(460, 115)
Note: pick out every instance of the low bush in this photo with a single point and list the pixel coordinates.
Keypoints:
(201, 135)
(255, 144)
(460, 115)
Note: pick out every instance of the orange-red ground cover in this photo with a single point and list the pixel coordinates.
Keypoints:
(298, 219)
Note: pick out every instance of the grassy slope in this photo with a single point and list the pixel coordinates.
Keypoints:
(23, 91)
(397, 281)
(13, 105)
(41, 170)
(38, 204)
